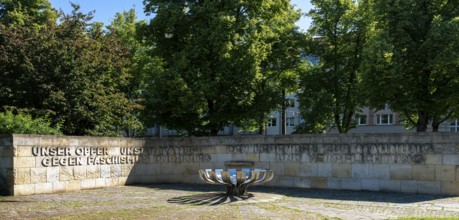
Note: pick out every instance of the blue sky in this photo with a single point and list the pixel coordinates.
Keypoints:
(106, 9)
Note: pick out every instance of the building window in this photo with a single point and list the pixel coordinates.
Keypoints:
(290, 122)
(302, 120)
(361, 119)
(272, 122)
(384, 119)
(290, 103)
(454, 126)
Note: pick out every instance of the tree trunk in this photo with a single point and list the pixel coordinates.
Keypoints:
(284, 115)
(211, 111)
(261, 130)
(423, 121)
(346, 123)
(261, 125)
(214, 132)
(435, 124)
(338, 123)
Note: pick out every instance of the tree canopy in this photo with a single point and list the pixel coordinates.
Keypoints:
(22, 123)
(68, 70)
(214, 58)
(412, 63)
(125, 29)
(32, 13)
(331, 90)
(199, 66)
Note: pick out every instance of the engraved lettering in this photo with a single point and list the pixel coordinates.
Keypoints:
(50, 151)
(62, 161)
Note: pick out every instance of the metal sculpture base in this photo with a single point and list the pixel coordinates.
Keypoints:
(236, 181)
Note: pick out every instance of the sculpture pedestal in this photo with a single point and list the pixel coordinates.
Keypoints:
(236, 181)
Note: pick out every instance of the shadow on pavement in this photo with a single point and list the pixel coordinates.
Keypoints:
(210, 199)
(211, 194)
(201, 194)
(347, 195)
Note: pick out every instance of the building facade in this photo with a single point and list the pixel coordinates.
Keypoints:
(368, 121)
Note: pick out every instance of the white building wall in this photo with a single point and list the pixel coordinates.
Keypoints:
(292, 113)
(375, 123)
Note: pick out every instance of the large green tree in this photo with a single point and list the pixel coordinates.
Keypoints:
(412, 64)
(31, 13)
(279, 73)
(125, 28)
(213, 56)
(331, 92)
(68, 71)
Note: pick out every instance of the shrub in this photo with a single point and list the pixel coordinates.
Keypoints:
(23, 123)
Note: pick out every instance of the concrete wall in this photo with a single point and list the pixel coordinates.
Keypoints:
(412, 163)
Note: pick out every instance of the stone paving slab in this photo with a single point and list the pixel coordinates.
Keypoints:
(178, 201)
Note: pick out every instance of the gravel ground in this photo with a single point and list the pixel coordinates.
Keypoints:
(178, 201)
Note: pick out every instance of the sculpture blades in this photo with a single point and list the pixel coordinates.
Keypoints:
(237, 183)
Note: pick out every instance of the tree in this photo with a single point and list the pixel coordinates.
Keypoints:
(32, 13)
(22, 123)
(68, 71)
(212, 56)
(279, 73)
(125, 29)
(412, 62)
(331, 90)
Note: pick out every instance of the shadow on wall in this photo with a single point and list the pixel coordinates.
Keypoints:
(174, 161)
(3, 185)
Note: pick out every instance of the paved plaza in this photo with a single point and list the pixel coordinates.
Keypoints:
(177, 201)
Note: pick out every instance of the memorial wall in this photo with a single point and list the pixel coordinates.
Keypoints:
(410, 163)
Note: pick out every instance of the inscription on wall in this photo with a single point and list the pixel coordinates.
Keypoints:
(165, 154)
(398, 153)
(378, 153)
(81, 156)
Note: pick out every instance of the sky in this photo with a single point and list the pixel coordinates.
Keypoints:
(105, 10)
